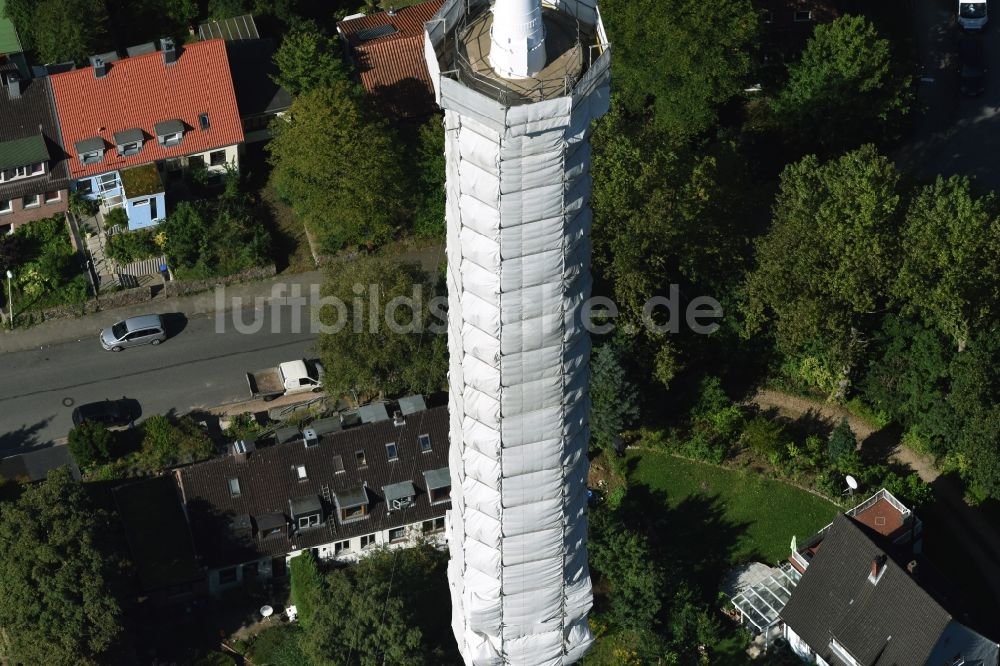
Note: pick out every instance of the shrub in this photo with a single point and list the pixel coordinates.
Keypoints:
(165, 443)
(132, 246)
(116, 219)
(763, 436)
(842, 442)
(90, 443)
(82, 207)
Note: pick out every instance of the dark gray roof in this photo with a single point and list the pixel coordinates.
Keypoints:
(300, 506)
(412, 404)
(89, 145)
(892, 622)
(268, 480)
(110, 56)
(168, 127)
(128, 136)
(36, 465)
(27, 116)
(251, 63)
(157, 533)
(287, 434)
(21, 152)
(268, 521)
(438, 478)
(401, 490)
(351, 497)
(373, 413)
(141, 49)
(327, 425)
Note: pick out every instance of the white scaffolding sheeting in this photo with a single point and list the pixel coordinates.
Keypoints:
(518, 225)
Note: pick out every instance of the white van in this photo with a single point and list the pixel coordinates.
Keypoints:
(972, 14)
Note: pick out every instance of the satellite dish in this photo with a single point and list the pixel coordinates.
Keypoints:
(266, 611)
(852, 483)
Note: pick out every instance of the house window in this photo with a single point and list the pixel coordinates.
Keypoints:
(440, 494)
(338, 465)
(196, 161)
(367, 540)
(234, 487)
(300, 472)
(391, 452)
(425, 443)
(768, 16)
(429, 526)
(306, 522)
(130, 148)
(52, 197)
(227, 576)
(107, 182)
(353, 513)
(171, 139)
(6, 206)
(341, 546)
(85, 186)
(397, 535)
(93, 157)
(271, 531)
(203, 121)
(30, 200)
(38, 169)
(802, 16)
(359, 456)
(217, 157)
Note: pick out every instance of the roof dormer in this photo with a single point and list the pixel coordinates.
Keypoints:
(129, 142)
(169, 132)
(90, 151)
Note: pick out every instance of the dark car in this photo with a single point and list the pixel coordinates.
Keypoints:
(971, 66)
(109, 412)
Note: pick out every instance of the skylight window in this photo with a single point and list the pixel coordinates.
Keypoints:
(425, 443)
(234, 487)
(391, 451)
(203, 122)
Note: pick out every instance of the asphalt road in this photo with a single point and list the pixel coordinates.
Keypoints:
(954, 134)
(197, 367)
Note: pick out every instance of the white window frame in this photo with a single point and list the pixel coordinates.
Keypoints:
(311, 520)
(300, 472)
(172, 139)
(430, 445)
(140, 202)
(25, 204)
(341, 547)
(107, 182)
(211, 158)
(9, 208)
(38, 169)
(370, 538)
(93, 157)
(392, 451)
(130, 148)
(401, 531)
(57, 198)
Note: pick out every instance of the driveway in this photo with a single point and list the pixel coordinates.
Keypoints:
(953, 134)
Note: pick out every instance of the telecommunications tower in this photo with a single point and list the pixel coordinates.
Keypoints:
(520, 83)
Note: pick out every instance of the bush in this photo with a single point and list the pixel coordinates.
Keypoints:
(116, 219)
(763, 436)
(90, 443)
(165, 444)
(47, 271)
(842, 442)
(82, 207)
(210, 239)
(132, 246)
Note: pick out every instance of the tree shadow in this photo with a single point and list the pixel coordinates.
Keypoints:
(23, 439)
(880, 445)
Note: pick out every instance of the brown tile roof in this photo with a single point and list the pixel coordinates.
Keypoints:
(882, 517)
(30, 115)
(392, 67)
(141, 91)
(268, 483)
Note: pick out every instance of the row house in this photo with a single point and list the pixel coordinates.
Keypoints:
(131, 124)
(33, 170)
(335, 490)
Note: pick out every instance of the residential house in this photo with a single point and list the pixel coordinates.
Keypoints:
(33, 171)
(387, 51)
(334, 490)
(251, 60)
(856, 606)
(130, 124)
(35, 465)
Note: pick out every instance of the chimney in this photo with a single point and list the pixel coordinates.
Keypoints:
(912, 567)
(242, 449)
(391, 11)
(13, 86)
(397, 419)
(878, 568)
(310, 438)
(100, 68)
(169, 51)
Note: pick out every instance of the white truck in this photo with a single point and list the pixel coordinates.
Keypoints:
(972, 14)
(288, 378)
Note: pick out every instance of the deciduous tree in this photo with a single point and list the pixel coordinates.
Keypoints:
(307, 60)
(950, 274)
(339, 167)
(67, 30)
(55, 607)
(90, 443)
(384, 341)
(845, 89)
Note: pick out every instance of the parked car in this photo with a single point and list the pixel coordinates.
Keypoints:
(109, 412)
(971, 66)
(134, 331)
(288, 378)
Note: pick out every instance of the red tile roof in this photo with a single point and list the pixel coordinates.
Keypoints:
(392, 67)
(141, 91)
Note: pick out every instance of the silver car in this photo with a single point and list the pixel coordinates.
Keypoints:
(134, 331)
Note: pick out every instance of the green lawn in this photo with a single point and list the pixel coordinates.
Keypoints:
(760, 515)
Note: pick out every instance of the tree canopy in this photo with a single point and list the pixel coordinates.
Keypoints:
(825, 267)
(90, 443)
(845, 89)
(60, 30)
(340, 168)
(614, 399)
(55, 607)
(679, 59)
(950, 273)
(391, 350)
(307, 59)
